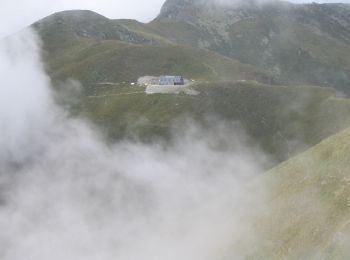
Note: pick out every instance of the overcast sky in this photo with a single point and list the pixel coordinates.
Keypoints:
(16, 14)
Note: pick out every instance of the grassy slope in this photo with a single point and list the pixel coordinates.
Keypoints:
(309, 212)
(114, 61)
(283, 120)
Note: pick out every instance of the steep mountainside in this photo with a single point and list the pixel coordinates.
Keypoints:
(298, 44)
(309, 210)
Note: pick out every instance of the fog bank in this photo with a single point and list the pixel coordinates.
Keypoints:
(66, 194)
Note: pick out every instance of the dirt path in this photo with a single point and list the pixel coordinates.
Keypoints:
(119, 94)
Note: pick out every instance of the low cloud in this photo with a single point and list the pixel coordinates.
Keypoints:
(67, 194)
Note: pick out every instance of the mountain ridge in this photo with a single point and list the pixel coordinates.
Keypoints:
(284, 38)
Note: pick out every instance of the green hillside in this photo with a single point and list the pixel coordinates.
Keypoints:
(283, 120)
(114, 61)
(308, 214)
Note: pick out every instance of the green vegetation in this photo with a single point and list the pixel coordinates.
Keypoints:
(283, 120)
(309, 208)
(115, 61)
